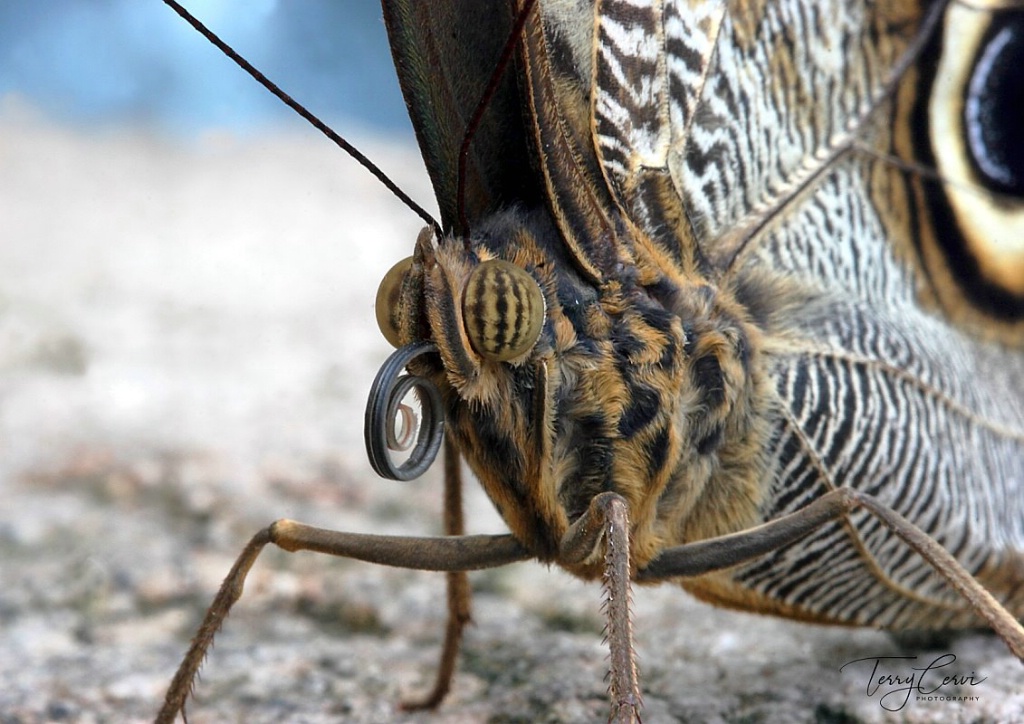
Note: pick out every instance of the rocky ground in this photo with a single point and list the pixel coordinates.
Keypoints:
(186, 342)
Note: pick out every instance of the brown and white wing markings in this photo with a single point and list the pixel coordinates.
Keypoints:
(650, 64)
(765, 138)
(875, 389)
(768, 153)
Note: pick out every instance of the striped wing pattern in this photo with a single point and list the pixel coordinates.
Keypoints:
(773, 124)
(651, 66)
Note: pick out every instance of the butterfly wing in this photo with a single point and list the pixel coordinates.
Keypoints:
(444, 53)
(787, 131)
(768, 151)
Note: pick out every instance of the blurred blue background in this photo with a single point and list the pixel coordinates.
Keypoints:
(107, 62)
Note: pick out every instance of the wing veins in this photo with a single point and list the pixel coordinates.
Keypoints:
(758, 220)
(894, 372)
(869, 559)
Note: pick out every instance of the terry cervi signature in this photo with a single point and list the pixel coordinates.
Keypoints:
(895, 678)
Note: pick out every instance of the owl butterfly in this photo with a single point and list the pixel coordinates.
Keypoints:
(728, 293)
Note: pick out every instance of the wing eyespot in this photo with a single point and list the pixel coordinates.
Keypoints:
(994, 110)
(974, 114)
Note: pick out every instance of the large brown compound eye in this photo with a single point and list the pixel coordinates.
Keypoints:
(503, 310)
(388, 297)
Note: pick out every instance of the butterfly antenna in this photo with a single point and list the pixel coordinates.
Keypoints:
(302, 111)
(478, 113)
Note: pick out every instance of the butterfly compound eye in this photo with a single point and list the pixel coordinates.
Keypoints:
(503, 310)
(386, 304)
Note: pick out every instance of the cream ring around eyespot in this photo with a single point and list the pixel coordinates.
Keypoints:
(502, 310)
(993, 231)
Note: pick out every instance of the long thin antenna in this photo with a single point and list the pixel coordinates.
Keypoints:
(478, 113)
(301, 110)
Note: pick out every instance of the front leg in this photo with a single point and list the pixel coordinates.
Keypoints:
(459, 594)
(694, 559)
(456, 553)
(607, 519)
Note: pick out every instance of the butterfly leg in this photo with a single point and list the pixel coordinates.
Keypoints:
(459, 595)
(457, 553)
(715, 554)
(607, 518)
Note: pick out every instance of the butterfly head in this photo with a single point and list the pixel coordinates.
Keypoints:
(556, 388)
(489, 311)
(483, 307)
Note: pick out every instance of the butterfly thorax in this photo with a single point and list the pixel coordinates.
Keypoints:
(642, 384)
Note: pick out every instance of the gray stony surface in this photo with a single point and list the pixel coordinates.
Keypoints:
(186, 341)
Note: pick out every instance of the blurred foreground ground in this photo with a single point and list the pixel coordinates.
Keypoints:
(186, 342)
